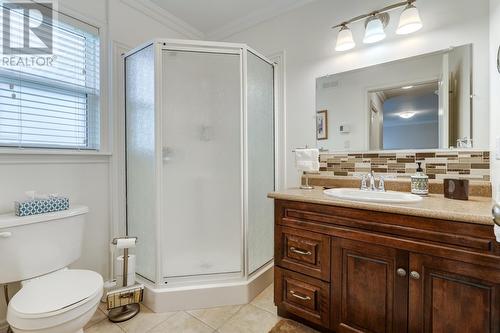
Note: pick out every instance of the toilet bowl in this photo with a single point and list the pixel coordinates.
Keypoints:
(36, 251)
(60, 302)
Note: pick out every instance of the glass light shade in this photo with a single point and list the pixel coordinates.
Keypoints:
(407, 114)
(345, 41)
(409, 21)
(374, 31)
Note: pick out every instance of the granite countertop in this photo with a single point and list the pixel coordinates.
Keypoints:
(475, 210)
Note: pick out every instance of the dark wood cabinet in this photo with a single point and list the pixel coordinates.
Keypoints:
(368, 294)
(451, 296)
(303, 251)
(350, 271)
(303, 296)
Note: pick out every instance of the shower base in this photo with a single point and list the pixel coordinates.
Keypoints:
(207, 295)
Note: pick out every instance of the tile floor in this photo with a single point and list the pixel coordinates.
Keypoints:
(257, 317)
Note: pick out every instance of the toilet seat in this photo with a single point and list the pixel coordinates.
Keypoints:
(54, 299)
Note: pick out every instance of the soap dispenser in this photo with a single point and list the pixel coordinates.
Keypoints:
(420, 182)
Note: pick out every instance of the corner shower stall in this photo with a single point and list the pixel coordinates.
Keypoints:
(200, 160)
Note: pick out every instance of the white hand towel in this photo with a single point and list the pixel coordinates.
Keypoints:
(307, 160)
(497, 232)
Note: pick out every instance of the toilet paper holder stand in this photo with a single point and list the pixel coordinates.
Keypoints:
(130, 294)
(125, 258)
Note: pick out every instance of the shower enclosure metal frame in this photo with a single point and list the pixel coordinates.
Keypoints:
(218, 48)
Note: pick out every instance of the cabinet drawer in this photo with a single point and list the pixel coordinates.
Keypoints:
(304, 252)
(303, 296)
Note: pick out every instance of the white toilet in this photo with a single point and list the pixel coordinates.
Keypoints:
(36, 250)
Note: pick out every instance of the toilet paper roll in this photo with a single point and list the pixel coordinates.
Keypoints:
(130, 280)
(130, 270)
(119, 264)
(125, 243)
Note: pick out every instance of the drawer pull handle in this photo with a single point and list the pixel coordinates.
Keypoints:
(301, 252)
(303, 298)
(415, 275)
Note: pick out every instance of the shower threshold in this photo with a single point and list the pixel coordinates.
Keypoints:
(206, 295)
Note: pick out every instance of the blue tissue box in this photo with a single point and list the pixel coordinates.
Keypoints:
(33, 207)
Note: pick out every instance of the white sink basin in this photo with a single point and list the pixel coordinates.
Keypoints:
(372, 196)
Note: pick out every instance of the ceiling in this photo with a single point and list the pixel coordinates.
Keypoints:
(415, 90)
(216, 18)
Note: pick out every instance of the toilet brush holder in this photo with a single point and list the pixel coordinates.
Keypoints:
(123, 302)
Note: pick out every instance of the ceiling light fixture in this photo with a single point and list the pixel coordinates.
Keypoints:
(409, 21)
(374, 31)
(407, 114)
(345, 41)
(406, 87)
(376, 22)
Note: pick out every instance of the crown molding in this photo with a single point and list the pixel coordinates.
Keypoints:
(165, 18)
(253, 19)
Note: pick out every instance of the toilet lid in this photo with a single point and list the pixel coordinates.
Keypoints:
(56, 291)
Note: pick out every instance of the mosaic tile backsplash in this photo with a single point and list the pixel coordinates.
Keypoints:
(473, 165)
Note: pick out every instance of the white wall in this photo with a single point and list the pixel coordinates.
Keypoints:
(460, 70)
(494, 92)
(305, 36)
(413, 136)
(88, 179)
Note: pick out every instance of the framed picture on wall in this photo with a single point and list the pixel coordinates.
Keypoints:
(322, 125)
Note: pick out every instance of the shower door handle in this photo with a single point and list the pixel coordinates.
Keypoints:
(166, 153)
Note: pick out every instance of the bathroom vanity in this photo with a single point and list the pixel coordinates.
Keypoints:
(347, 266)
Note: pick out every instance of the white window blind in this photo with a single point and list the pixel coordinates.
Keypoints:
(53, 106)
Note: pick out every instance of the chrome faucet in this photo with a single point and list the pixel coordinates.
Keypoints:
(364, 187)
(371, 178)
(381, 184)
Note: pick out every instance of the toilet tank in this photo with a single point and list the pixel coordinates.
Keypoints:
(35, 245)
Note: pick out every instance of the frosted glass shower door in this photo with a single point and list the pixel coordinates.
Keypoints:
(141, 158)
(202, 191)
(260, 127)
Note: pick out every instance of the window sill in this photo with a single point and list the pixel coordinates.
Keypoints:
(47, 152)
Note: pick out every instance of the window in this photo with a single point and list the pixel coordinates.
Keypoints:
(51, 100)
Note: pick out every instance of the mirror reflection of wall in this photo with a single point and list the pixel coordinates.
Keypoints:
(421, 102)
(405, 117)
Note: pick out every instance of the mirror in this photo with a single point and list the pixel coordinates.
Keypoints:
(423, 102)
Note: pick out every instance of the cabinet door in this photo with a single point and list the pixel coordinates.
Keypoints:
(369, 287)
(452, 297)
